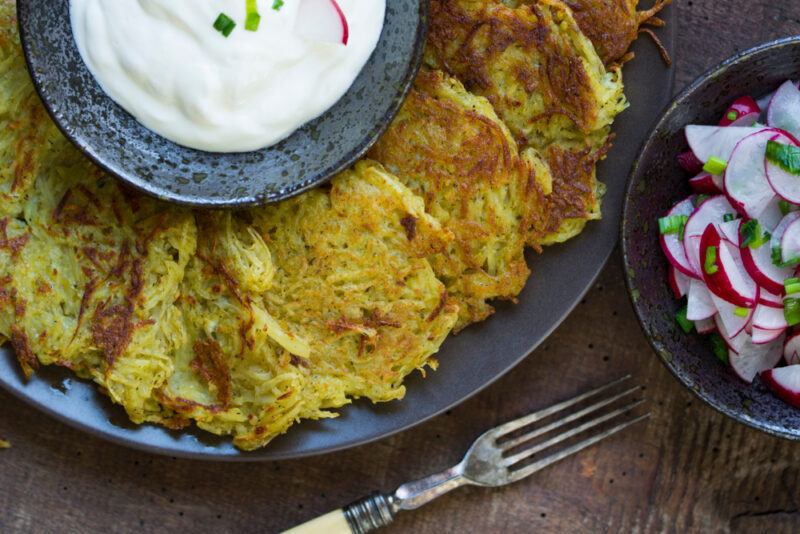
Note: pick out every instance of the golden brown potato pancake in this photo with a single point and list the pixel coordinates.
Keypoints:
(450, 148)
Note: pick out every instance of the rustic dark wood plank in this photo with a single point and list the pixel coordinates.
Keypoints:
(688, 469)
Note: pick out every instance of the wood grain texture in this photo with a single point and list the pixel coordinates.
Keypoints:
(688, 470)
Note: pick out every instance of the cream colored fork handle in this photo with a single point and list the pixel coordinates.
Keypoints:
(330, 523)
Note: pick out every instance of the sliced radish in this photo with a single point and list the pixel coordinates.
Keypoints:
(726, 312)
(763, 103)
(671, 244)
(711, 212)
(785, 184)
(734, 343)
(706, 183)
(752, 359)
(791, 349)
(771, 215)
(705, 326)
(730, 230)
(730, 280)
(699, 303)
(719, 141)
(785, 383)
(746, 177)
(322, 20)
(780, 229)
(743, 111)
(689, 162)
(784, 109)
(790, 243)
(760, 336)
(768, 318)
(678, 282)
(758, 264)
(770, 299)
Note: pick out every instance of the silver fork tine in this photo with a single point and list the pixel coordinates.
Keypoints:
(516, 424)
(560, 455)
(510, 444)
(511, 460)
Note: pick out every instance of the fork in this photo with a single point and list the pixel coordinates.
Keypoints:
(498, 457)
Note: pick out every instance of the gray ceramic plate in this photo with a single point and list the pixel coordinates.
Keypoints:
(115, 141)
(470, 361)
(655, 185)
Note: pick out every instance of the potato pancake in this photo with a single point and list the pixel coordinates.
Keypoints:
(450, 148)
(546, 82)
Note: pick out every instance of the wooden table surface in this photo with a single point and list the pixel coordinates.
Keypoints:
(688, 469)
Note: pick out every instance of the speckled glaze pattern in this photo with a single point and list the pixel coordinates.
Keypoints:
(656, 183)
(118, 143)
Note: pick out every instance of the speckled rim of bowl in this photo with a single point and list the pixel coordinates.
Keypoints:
(658, 347)
(346, 161)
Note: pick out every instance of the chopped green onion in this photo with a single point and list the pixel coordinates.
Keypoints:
(777, 258)
(753, 235)
(732, 115)
(784, 206)
(253, 19)
(787, 157)
(792, 285)
(719, 347)
(680, 318)
(672, 224)
(277, 5)
(741, 312)
(710, 266)
(715, 165)
(728, 217)
(224, 24)
(791, 310)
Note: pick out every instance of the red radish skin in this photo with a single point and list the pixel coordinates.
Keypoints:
(711, 212)
(758, 264)
(730, 281)
(678, 281)
(689, 162)
(322, 20)
(705, 183)
(746, 112)
(791, 349)
(673, 248)
(785, 383)
(753, 359)
(770, 299)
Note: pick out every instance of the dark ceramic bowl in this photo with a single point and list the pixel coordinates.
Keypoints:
(656, 183)
(116, 142)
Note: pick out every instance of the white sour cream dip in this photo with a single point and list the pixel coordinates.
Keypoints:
(163, 62)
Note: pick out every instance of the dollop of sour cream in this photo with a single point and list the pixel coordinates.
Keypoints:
(163, 62)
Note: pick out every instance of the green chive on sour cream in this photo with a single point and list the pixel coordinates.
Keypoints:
(226, 84)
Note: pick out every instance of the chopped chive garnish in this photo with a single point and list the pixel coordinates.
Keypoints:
(224, 24)
(715, 165)
(253, 19)
(784, 206)
(710, 265)
(672, 224)
(277, 5)
(787, 157)
(728, 217)
(719, 347)
(791, 285)
(753, 235)
(680, 318)
(699, 199)
(777, 258)
(791, 310)
(732, 115)
(741, 312)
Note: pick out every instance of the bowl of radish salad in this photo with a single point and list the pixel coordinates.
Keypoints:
(711, 237)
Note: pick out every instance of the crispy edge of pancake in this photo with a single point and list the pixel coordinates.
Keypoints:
(450, 148)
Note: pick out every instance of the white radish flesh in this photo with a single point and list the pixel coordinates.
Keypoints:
(678, 282)
(785, 383)
(768, 318)
(784, 108)
(784, 183)
(760, 336)
(705, 326)
(711, 211)
(672, 245)
(717, 141)
(752, 359)
(323, 21)
(746, 181)
(699, 304)
(791, 349)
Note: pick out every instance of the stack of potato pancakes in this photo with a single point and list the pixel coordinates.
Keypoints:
(247, 322)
